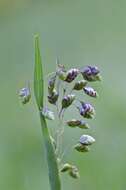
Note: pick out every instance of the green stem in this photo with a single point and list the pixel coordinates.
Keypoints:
(51, 157)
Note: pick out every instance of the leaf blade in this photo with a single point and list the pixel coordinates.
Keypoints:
(39, 92)
(38, 75)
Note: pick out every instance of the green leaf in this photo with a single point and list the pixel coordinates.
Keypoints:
(38, 75)
(39, 92)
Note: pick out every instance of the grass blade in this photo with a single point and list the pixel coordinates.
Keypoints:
(38, 75)
(39, 91)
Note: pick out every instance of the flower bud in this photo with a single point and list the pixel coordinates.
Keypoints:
(71, 75)
(25, 95)
(90, 91)
(84, 125)
(62, 75)
(74, 172)
(68, 100)
(51, 84)
(81, 148)
(48, 114)
(73, 123)
(61, 72)
(91, 73)
(78, 123)
(86, 140)
(66, 167)
(53, 97)
(87, 110)
(80, 85)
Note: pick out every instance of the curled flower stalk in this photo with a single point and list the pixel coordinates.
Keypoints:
(61, 98)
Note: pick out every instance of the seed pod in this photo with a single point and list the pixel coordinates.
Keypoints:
(81, 148)
(87, 110)
(51, 84)
(71, 75)
(25, 95)
(68, 100)
(91, 73)
(74, 172)
(80, 85)
(86, 140)
(66, 167)
(90, 91)
(77, 123)
(53, 97)
(47, 114)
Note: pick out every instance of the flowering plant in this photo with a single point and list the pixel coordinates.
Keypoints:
(62, 99)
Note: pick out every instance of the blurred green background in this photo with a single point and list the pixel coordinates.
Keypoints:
(82, 32)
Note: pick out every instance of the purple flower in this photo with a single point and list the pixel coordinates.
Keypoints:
(25, 95)
(90, 91)
(53, 97)
(94, 70)
(51, 84)
(71, 75)
(91, 73)
(68, 100)
(87, 110)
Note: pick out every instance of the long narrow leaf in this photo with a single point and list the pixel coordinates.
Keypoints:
(38, 75)
(38, 90)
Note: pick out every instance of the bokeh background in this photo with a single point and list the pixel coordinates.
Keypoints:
(81, 33)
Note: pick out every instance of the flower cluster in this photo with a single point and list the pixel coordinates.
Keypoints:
(59, 97)
(85, 109)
